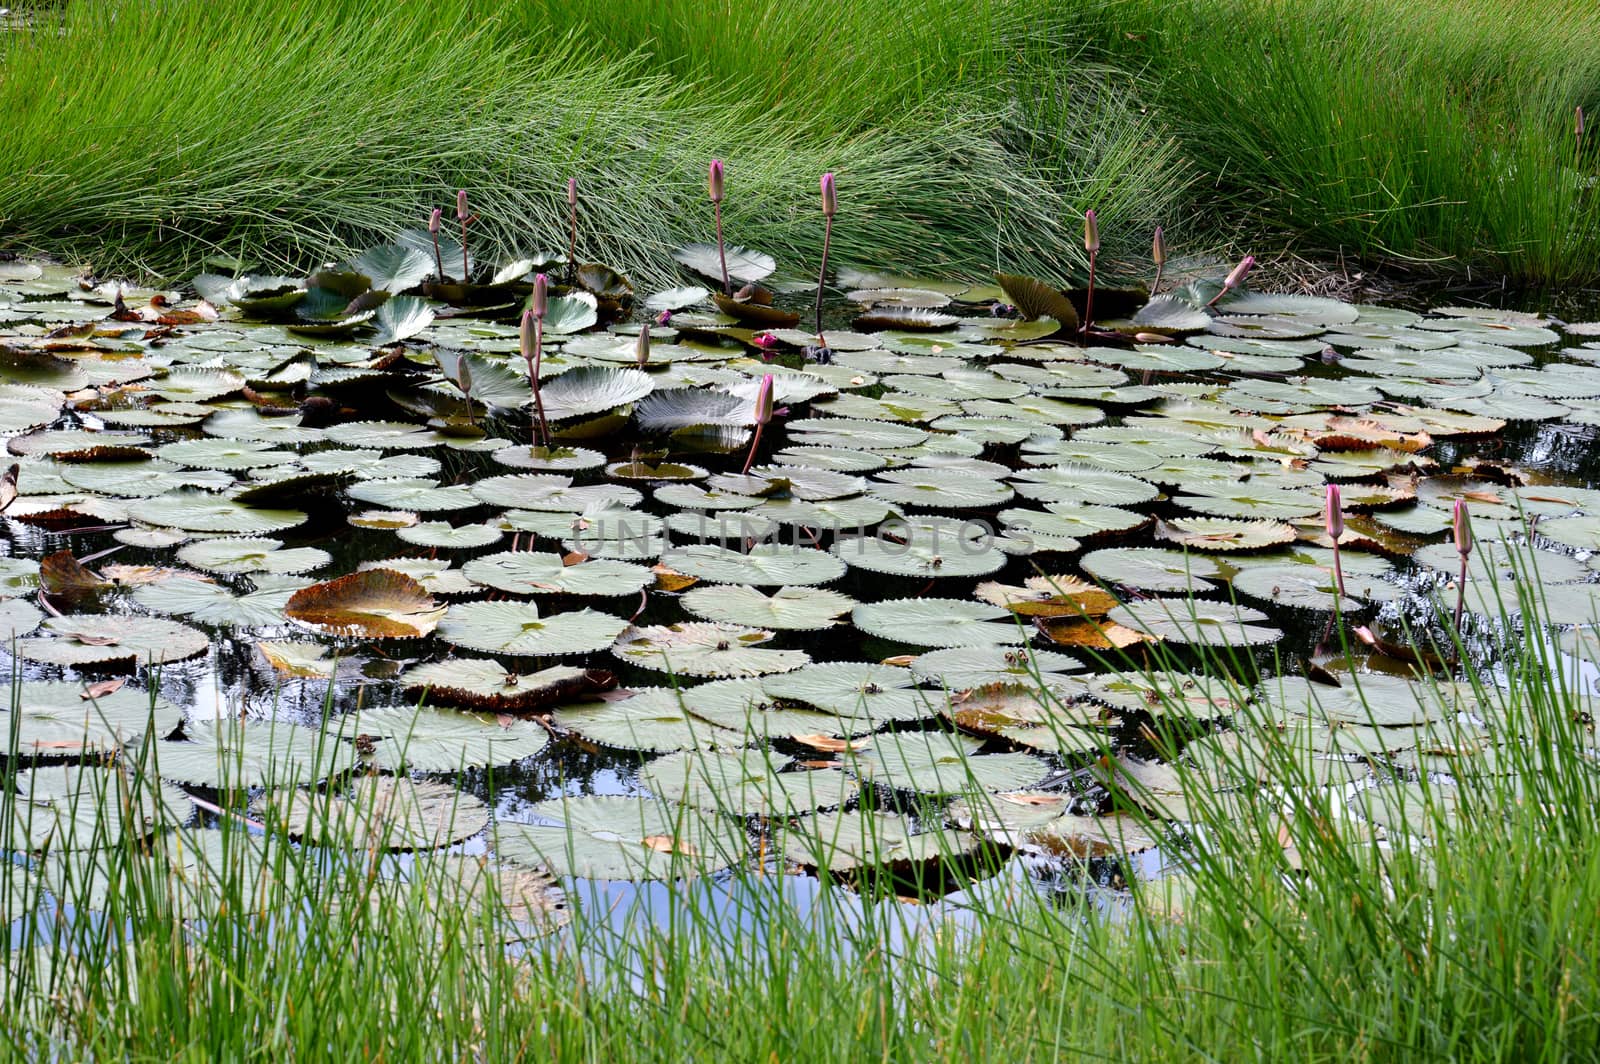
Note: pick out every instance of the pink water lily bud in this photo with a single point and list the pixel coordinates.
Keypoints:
(1236, 278)
(1091, 231)
(765, 340)
(1333, 513)
(1158, 247)
(764, 401)
(540, 305)
(664, 318)
(433, 220)
(714, 181)
(572, 192)
(830, 199)
(641, 348)
(461, 205)
(1461, 525)
(525, 337)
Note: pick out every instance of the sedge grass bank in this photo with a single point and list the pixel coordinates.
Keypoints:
(968, 134)
(1289, 929)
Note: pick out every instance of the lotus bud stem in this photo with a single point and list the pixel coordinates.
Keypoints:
(532, 337)
(463, 216)
(572, 227)
(464, 382)
(714, 185)
(830, 206)
(763, 414)
(1158, 253)
(1333, 519)
(1091, 244)
(641, 347)
(1234, 279)
(433, 231)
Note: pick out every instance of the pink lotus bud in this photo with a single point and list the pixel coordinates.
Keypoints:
(1461, 524)
(664, 318)
(641, 347)
(1091, 231)
(830, 200)
(525, 337)
(764, 401)
(1236, 278)
(1158, 247)
(540, 304)
(461, 206)
(572, 192)
(1333, 513)
(433, 220)
(714, 181)
(765, 340)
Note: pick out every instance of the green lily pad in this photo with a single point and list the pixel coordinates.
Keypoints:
(935, 622)
(611, 837)
(702, 649)
(517, 628)
(802, 609)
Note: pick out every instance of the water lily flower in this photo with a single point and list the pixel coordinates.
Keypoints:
(763, 414)
(1235, 278)
(1158, 255)
(1333, 520)
(1461, 526)
(539, 305)
(714, 185)
(830, 206)
(433, 231)
(1333, 513)
(714, 182)
(664, 318)
(764, 340)
(464, 217)
(1091, 244)
(532, 343)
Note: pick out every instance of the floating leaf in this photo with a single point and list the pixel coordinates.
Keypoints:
(378, 812)
(482, 684)
(517, 628)
(610, 837)
(787, 609)
(700, 649)
(373, 604)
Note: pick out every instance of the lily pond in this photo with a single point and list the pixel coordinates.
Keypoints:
(934, 600)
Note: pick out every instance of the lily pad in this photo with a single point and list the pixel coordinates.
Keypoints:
(611, 837)
(702, 649)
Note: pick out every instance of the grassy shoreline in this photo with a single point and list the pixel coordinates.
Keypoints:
(1466, 932)
(968, 134)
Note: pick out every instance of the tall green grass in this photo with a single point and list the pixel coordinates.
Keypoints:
(1438, 132)
(1291, 931)
(289, 131)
